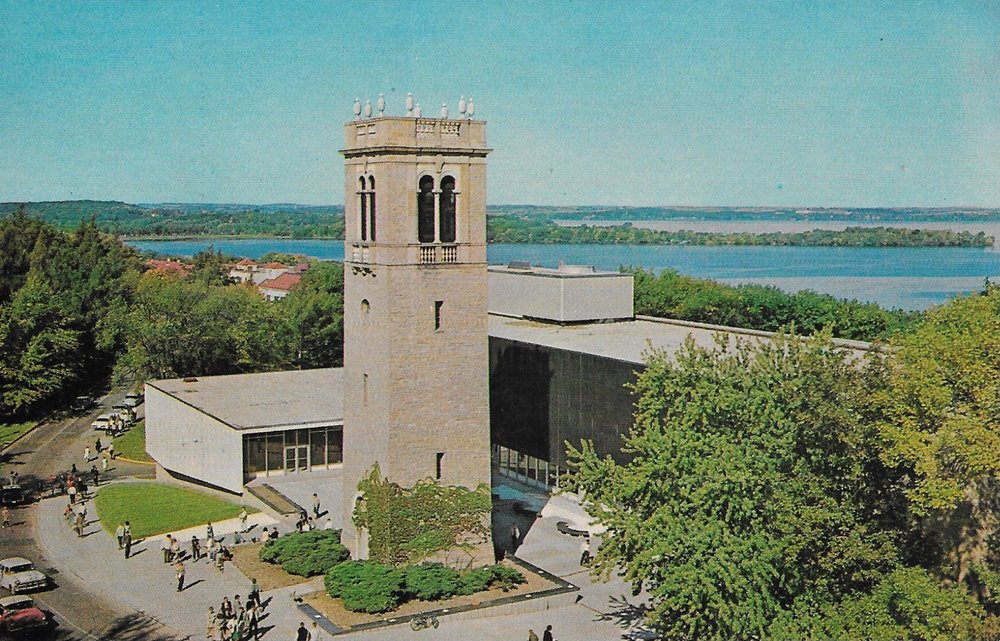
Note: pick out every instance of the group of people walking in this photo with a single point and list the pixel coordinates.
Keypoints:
(234, 621)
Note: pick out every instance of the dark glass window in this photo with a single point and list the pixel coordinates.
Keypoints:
(425, 210)
(362, 197)
(317, 447)
(447, 209)
(371, 205)
(334, 445)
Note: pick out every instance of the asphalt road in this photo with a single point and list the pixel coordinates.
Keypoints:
(79, 614)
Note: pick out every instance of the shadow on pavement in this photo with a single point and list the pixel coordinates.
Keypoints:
(137, 627)
(628, 616)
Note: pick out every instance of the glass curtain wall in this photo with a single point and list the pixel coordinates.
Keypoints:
(264, 454)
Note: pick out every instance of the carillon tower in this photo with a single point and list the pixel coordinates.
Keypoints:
(415, 318)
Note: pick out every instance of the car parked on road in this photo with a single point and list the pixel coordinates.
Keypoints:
(19, 615)
(18, 574)
(13, 494)
(102, 422)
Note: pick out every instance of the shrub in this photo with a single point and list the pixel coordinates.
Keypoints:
(431, 581)
(504, 577)
(473, 581)
(306, 553)
(366, 586)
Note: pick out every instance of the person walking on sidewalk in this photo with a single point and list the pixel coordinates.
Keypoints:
(86, 454)
(547, 635)
(303, 635)
(104, 462)
(97, 445)
(195, 548)
(243, 519)
(127, 540)
(210, 628)
(315, 505)
(180, 575)
(166, 548)
(120, 534)
(6, 516)
(111, 450)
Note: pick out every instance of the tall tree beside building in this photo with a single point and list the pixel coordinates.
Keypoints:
(314, 310)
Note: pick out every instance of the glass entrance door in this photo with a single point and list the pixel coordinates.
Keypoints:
(297, 458)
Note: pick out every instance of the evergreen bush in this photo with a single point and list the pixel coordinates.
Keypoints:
(366, 586)
(431, 581)
(306, 553)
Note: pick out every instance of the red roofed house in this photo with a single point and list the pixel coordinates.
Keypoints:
(170, 267)
(277, 288)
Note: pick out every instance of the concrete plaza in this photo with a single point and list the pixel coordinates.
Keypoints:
(145, 584)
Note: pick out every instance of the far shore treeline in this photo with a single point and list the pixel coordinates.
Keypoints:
(506, 224)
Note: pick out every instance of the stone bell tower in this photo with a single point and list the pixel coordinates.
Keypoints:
(416, 392)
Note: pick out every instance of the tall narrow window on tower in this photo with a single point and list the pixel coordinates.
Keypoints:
(438, 304)
(425, 210)
(363, 208)
(447, 209)
(371, 205)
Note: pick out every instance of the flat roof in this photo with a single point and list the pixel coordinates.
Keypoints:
(293, 398)
(563, 271)
(627, 340)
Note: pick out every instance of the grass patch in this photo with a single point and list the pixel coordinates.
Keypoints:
(132, 444)
(11, 431)
(157, 508)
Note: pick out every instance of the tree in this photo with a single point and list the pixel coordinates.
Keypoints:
(314, 311)
(942, 424)
(754, 488)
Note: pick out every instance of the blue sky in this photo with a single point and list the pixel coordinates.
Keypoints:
(664, 103)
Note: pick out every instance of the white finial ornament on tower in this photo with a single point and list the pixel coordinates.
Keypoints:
(409, 104)
(381, 105)
(461, 105)
(444, 110)
(470, 109)
(368, 108)
(416, 110)
(357, 108)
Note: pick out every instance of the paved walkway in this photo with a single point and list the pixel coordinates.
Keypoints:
(145, 584)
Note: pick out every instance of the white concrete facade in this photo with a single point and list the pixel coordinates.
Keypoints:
(570, 294)
(183, 439)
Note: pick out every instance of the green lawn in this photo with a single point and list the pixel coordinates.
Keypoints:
(10, 431)
(155, 508)
(132, 444)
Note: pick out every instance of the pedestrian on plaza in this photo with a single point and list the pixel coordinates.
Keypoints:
(94, 472)
(111, 450)
(547, 635)
(274, 533)
(180, 575)
(532, 636)
(328, 524)
(72, 470)
(213, 546)
(515, 536)
(72, 492)
(585, 552)
(6, 515)
(97, 445)
(315, 505)
(79, 523)
(68, 512)
(226, 609)
(210, 629)
(104, 462)
(243, 519)
(315, 632)
(224, 626)
(127, 541)
(237, 629)
(175, 549)
(253, 620)
(120, 534)
(237, 604)
(166, 548)
(86, 454)
(195, 548)
(254, 596)
(209, 532)
(303, 635)
(82, 509)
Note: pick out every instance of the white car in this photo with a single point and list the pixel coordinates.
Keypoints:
(102, 422)
(18, 574)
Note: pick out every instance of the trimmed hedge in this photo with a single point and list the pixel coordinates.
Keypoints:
(306, 553)
(372, 587)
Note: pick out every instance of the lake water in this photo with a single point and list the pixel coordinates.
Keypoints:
(907, 278)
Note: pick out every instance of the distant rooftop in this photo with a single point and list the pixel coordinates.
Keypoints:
(296, 398)
(627, 340)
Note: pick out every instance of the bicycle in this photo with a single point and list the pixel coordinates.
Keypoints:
(423, 620)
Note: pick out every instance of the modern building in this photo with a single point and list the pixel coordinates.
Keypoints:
(224, 431)
(416, 395)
